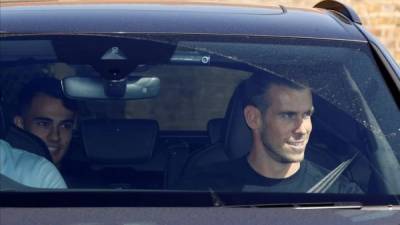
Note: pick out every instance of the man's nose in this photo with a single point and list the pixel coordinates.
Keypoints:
(54, 134)
(301, 126)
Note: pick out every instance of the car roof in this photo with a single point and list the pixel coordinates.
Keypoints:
(174, 18)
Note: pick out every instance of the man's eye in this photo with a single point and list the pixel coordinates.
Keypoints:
(42, 123)
(67, 126)
(287, 115)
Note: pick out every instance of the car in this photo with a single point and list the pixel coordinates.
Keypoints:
(161, 93)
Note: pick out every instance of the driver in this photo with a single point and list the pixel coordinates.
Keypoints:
(278, 112)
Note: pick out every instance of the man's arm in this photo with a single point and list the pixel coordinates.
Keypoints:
(28, 169)
(48, 175)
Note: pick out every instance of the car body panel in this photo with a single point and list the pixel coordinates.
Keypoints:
(190, 19)
(195, 216)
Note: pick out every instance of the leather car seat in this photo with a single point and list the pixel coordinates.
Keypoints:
(122, 152)
(236, 137)
(214, 130)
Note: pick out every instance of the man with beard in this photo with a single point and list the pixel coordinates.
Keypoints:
(45, 112)
(278, 112)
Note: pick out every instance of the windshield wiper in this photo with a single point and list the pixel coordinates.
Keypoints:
(316, 201)
(217, 202)
(327, 205)
(335, 205)
(350, 205)
(215, 198)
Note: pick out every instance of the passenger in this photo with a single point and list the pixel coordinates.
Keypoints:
(28, 169)
(278, 112)
(45, 112)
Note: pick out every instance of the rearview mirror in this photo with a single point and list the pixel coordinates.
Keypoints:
(133, 87)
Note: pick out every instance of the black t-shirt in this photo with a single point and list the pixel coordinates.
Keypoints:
(237, 176)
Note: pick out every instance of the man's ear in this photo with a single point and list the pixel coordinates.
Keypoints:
(252, 116)
(19, 122)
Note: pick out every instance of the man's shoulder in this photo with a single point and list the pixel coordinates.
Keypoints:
(28, 168)
(19, 158)
(342, 184)
(18, 164)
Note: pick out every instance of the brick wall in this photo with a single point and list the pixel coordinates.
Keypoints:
(380, 17)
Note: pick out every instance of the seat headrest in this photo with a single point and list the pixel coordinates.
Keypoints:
(214, 130)
(238, 137)
(2, 122)
(119, 141)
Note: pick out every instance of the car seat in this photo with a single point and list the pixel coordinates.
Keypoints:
(121, 152)
(2, 122)
(230, 139)
(214, 130)
(235, 140)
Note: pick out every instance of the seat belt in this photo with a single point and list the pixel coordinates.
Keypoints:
(325, 183)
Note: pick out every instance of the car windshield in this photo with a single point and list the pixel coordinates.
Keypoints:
(158, 112)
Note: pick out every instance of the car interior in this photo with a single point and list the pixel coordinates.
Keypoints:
(123, 144)
(157, 159)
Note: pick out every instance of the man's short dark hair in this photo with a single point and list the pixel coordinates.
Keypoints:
(259, 83)
(43, 85)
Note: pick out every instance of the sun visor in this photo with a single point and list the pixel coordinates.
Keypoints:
(15, 50)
